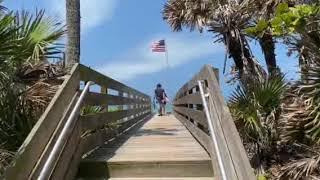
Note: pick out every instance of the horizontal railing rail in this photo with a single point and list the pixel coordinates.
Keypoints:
(204, 112)
(120, 107)
(129, 105)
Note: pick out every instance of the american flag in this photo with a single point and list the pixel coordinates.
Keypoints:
(159, 46)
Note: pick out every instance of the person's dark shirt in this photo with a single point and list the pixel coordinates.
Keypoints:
(159, 93)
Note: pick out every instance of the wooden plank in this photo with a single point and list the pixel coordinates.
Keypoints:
(74, 163)
(222, 117)
(159, 147)
(91, 122)
(87, 74)
(125, 125)
(232, 151)
(103, 90)
(199, 135)
(69, 149)
(196, 115)
(94, 99)
(54, 137)
(181, 91)
(33, 146)
(194, 98)
(96, 139)
(121, 107)
(218, 132)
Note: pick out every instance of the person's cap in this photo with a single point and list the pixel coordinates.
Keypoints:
(158, 85)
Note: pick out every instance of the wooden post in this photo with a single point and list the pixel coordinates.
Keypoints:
(104, 90)
(216, 73)
(121, 106)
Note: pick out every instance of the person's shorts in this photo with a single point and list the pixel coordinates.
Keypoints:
(161, 101)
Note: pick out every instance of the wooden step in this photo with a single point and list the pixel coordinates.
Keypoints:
(146, 169)
(152, 178)
(166, 178)
(161, 169)
(160, 148)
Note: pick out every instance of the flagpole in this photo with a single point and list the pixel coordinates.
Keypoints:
(166, 54)
(167, 62)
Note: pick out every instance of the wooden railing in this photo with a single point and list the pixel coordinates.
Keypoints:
(88, 130)
(189, 109)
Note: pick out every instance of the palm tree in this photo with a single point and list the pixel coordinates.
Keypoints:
(265, 9)
(226, 19)
(73, 28)
(26, 40)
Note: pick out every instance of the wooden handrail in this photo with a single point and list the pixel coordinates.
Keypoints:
(88, 132)
(189, 109)
(39, 141)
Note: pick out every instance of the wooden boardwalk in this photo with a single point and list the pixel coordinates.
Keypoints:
(201, 144)
(159, 148)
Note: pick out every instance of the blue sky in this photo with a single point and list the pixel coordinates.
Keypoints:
(116, 40)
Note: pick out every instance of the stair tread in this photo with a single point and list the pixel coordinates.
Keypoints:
(167, 178)
(160, 139)
(161, 147)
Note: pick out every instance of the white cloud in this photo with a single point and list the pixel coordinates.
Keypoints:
(141, 61)
(93, 12)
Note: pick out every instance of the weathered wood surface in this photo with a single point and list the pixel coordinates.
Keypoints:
(34, 152)
(98, 120)
(160, 139)
(167, 178)
(101, 99)
(139, 106)
(190, 99)
(201, 136)
(54, 137)
(160, 147)
(65, 162)
(36, 142)
(87, 74)
(193, 114)
(233, 154)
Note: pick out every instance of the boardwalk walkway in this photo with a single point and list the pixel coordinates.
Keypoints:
(161, 147)
(198, 142)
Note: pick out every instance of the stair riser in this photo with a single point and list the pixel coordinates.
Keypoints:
(161, 170)
(142, 170)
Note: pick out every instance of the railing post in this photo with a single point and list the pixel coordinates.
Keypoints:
(216, 73)
(120, 106)
(104, 90)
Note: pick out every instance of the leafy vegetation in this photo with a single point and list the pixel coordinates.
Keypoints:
(28, 80)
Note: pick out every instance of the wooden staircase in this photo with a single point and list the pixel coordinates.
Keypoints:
(124, 142)
(161, 148)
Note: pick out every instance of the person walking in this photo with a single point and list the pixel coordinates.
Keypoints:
(161, 97)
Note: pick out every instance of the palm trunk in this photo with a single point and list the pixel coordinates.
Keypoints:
(235, 53)
(268, 48)
(242, 57)
(73, 29)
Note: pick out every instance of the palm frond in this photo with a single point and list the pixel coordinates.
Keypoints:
(255, 107)
(294, 117)
(189, 14)
(257, 98)
(310, 89)
(301, 169)
(5, 159)
(37, 37)
(3, 9)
